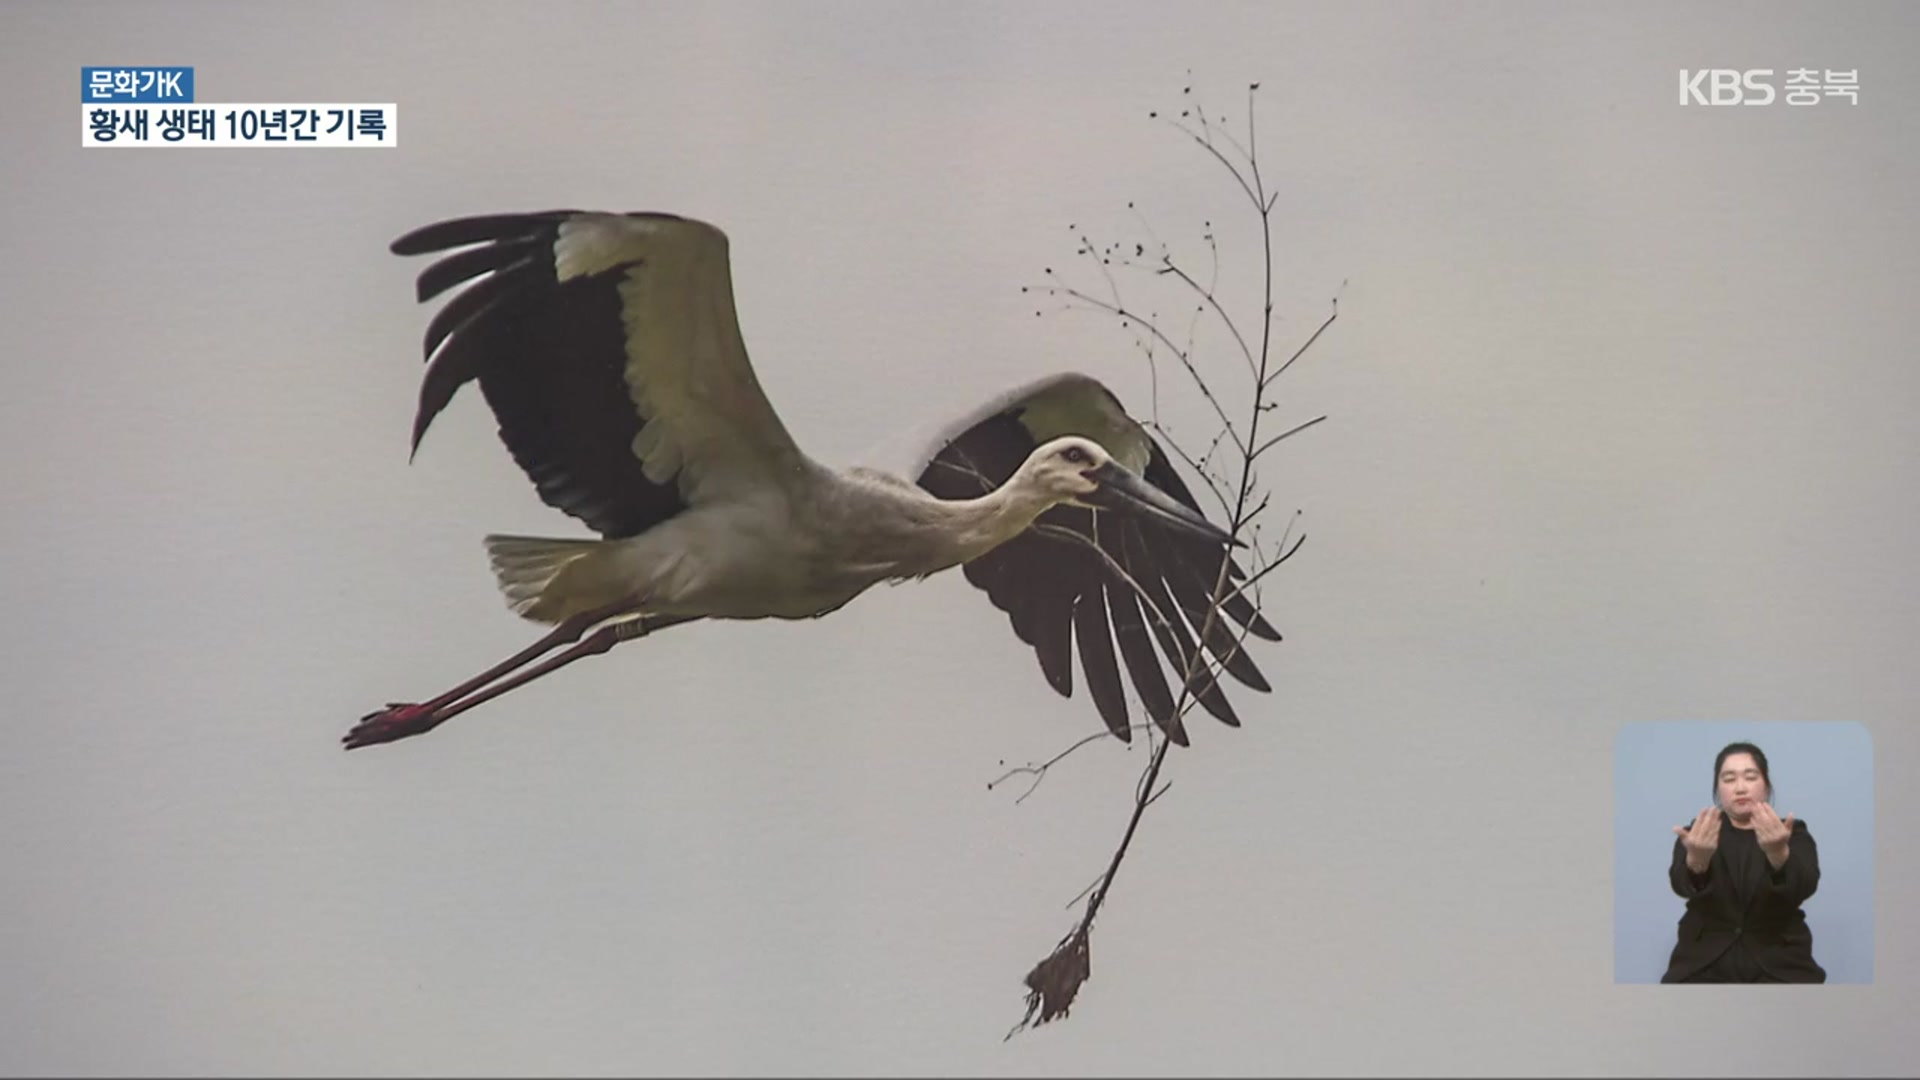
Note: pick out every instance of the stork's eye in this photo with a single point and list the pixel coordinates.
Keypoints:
(1074, 454)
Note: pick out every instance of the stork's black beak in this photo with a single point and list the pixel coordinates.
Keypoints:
(1126, 493)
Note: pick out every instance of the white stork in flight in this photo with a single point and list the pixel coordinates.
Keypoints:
(609, 350)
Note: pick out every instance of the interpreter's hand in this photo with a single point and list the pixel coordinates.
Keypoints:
(1772, 833)
(1701, 839)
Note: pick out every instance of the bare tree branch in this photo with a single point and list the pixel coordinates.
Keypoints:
(1053, 983)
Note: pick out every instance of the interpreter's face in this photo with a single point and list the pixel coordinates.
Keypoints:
(1741, 786)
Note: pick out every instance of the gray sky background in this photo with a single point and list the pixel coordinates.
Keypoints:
(1621, 402)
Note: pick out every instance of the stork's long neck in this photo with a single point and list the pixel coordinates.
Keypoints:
(931, 534)
(980, 525)
(886, 527)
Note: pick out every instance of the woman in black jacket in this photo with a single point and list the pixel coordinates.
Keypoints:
(1744, 873)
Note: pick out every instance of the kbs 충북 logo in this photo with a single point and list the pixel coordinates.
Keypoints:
(1756, 86)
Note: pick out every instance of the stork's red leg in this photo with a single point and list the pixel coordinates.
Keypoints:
(393, 725)
(399, 721)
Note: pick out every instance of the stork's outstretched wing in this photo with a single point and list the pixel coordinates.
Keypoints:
(608, 348)
(1058, 589)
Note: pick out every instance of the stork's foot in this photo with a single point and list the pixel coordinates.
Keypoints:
(396, 721)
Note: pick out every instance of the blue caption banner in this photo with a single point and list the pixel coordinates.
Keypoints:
(136, 85)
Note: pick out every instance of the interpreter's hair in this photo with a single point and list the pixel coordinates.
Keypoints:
(1759, 758)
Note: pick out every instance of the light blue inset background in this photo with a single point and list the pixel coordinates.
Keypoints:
(1663, 775)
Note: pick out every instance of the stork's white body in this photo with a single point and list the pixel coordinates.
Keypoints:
(795, 551)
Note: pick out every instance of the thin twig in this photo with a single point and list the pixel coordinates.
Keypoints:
(1186, 360)
(1268, 445)
(1301, 351)
(1207, 295)
(1039, 772)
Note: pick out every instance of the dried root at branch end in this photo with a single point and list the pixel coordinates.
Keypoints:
(1053, 982)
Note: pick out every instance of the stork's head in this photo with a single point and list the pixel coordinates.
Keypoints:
(1076, 470)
